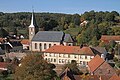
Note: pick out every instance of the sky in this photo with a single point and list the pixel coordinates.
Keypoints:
(59, 6)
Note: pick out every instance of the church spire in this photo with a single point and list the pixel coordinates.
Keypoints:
(32, 20)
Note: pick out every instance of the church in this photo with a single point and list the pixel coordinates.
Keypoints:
(42, 40)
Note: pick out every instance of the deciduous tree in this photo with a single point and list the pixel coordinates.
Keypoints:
(34, 67)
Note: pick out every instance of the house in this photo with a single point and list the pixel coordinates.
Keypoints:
(59, 54)
(16, 45)
(67, 75)
(12, 45)
(25, 43)
(108, 38)
(98, 66)
(84, 23)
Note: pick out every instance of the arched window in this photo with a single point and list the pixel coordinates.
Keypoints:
(49, 45)
(45, 46)
(40, 47)
(35, 45)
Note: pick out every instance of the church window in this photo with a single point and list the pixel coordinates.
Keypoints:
(45, 46)
(35, 45)
(49, 45)
(40, 47)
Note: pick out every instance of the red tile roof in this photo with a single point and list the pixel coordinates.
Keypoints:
(95, 63)
(70, 50)
(115, 77)
(25, 41)
(104, 77)
(3, 64)
(107, 38)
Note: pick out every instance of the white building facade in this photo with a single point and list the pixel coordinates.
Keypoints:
(59, 54)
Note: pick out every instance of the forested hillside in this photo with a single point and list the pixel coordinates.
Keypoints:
(98, 23)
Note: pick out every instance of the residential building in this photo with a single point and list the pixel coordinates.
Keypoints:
(12, 45)
(98, 66)
(108, 38)
(25, 43)
(60, 54)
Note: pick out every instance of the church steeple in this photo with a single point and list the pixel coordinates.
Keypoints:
(32, 27)
(32, 20)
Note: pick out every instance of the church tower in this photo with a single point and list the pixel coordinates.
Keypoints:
(32, 29)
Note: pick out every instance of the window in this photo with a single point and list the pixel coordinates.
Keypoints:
(69, 44)
(54, 60)
(59, 60)
(48, 59)
(45, 54)
(54, 55)
(50, 54)
(85, 57)
(63, 60)
(35, 45)
(64, 55)
(40, 47)
(49, 45)
(51, 60)
(83, 62)
(75, 56)
(80, 57)
(54, 44)
(80, 62)
(45, 46)
(68, 55)
(59, 55)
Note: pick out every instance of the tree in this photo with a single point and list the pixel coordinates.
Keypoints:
(74, 68)
(3, 33)
(94, 42)
(14, 63)
(34, 67)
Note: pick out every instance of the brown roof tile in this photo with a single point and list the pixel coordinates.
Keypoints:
(104, 77)
(70, 50)
(115, 77)
(109, 38)
(25, 41)
(3, 64)
(95, 63)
